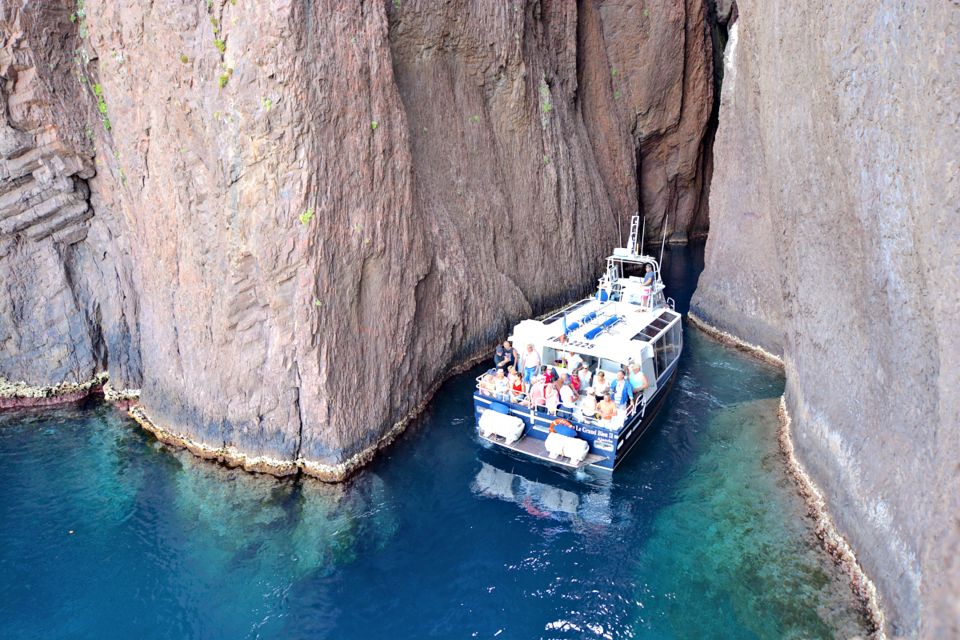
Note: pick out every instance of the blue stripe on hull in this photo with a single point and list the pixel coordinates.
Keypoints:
(620, 444)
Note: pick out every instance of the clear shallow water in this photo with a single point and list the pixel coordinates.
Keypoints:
(698, 535)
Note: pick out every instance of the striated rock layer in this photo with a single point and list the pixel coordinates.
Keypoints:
(286, 221)
(834, 242)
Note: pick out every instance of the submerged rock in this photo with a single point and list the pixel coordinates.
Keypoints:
(834, 243)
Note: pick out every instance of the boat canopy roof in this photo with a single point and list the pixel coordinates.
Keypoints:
(612, 330)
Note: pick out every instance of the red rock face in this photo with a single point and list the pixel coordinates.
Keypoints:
(304, 214)
(834, 243)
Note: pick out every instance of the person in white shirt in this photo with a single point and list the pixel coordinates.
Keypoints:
(568, 396)
(600, 384)
(501, 385)
(573, 361)
(585, 376)
(531, 364)
(588, 404)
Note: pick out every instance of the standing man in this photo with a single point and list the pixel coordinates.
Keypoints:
(647, 284)
(505, 356)
(637, 380)
(621, 390)
(531, 364)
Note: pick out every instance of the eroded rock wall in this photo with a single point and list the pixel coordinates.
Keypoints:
(285, 221)
(834, 242)
(54, 252)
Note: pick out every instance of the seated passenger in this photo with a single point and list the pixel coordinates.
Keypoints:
(600, 386)
(551, 397)
(568, 396)
(550, 374)
(537, 396)
(622, 390)
(487, 386)
(516, 385)
(588, 405)
(607, 408)
(501, 386)
(637, 380)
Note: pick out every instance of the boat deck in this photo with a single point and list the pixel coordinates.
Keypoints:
(535, 448)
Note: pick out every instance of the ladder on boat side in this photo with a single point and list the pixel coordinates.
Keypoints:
(634, 229)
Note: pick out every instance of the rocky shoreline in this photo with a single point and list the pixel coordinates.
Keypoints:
(825, 529)
(21, 395)
(233, 457)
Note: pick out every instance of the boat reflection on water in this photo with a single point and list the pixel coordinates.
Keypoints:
(541, 493)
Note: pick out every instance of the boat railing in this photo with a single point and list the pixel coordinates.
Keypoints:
(522, 401)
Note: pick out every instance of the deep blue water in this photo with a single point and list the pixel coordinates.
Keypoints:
(108, 534)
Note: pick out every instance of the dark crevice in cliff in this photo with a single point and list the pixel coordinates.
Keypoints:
(298, 408)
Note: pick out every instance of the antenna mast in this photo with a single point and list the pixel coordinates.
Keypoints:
(664, 240)
(643, 236)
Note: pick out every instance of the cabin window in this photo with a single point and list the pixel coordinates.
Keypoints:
(660, 355)
(610, 366)
(550, 355)
(667, 348)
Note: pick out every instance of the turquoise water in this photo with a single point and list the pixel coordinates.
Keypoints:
(108, 534)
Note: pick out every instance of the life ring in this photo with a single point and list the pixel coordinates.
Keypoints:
(559, 421)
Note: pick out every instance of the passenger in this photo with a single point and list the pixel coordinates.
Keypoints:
(516, 385)
(537, 398)
(487, 386)
(637, 380)
(505, 356)
(531, 363)
(622, 390)
(588, 404)
(600, 385)
(573, 361)
(551, 397)
(550, 374)
(574, 381)
(607, 408)
(568, 396)
(501, 385)
(585, 376)
(647, 284)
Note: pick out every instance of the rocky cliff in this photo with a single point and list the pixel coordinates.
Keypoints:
(286, 221)
(834, 242)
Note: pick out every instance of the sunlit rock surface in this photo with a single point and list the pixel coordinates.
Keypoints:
(834, 242)
(285, 221)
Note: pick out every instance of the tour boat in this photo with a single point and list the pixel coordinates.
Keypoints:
(629, 320)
